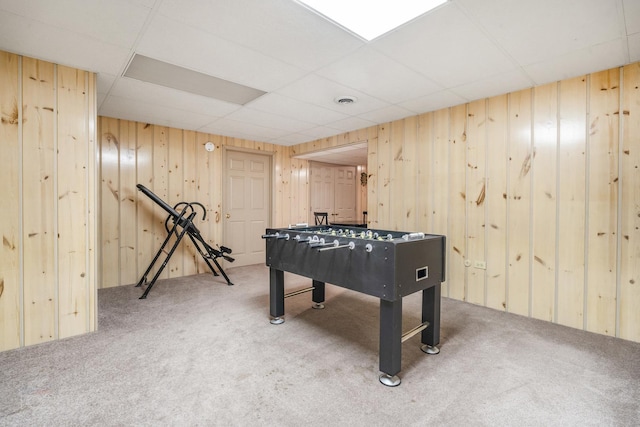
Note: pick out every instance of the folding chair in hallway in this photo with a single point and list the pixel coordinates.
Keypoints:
(322, 218)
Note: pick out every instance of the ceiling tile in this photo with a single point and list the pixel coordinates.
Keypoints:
(632, 16)
(100, 98)
(534, 31)
(320, 132)
(172, 98)
(295, 109)
(390, 113)
(320, 91)
(206, 53)
(445, 46)
(104, 82)
(501, 83)
(47, 42)
(115, 22)
(145, 3)
(270, 120)
(432, 102)
(226, 126)
(292, 139)
(126, 108)
(378, 75)
(282, 29)
(352, 123)
(634, 47)
(591, 59)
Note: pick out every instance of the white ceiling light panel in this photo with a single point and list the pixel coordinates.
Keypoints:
(370, 19)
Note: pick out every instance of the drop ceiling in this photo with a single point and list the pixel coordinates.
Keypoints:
(462, 51)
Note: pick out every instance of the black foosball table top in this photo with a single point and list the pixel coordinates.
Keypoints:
(383, 263)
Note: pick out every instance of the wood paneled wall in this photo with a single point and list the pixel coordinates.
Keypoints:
(542, 186)
(174, 164)
(47, 214)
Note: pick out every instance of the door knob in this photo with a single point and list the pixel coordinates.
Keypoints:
(228, 216)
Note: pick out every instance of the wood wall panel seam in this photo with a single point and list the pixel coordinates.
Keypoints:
(619, 189)
(585, 292)
(56, 205)
(557, 212)
(630, 212)
(21, 195)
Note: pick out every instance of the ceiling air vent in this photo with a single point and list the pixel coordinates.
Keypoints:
(345, 100)
(164, 74)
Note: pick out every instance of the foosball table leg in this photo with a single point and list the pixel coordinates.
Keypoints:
(430, 338)
(276, 296)
(389, 380)
(429, 349)
(317, 295)
(390, 341)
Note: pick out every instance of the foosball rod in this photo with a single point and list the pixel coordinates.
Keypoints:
(414, 331)
(350, 245)
(276, 236)
(298, 292)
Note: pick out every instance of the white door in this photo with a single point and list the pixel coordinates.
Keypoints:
(333, 190)
(321, 190)
(246, 205)
(345, 193)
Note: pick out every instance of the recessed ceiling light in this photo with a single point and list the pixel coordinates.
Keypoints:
(345, 100)
(370, 19)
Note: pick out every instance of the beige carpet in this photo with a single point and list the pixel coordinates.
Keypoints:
(198, 352)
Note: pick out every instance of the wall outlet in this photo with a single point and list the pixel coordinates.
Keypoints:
(480, 264)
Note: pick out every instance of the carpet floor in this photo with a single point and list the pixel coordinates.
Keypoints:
(198, 352)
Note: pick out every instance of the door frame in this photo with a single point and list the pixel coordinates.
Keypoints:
(356, 195)
(317, 155)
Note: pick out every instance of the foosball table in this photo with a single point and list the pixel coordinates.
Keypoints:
(386, 264)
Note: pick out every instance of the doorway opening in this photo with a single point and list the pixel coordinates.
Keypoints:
(337, 183)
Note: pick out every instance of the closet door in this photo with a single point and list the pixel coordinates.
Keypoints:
(322, 192)
(344, 194)
(333, 190)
